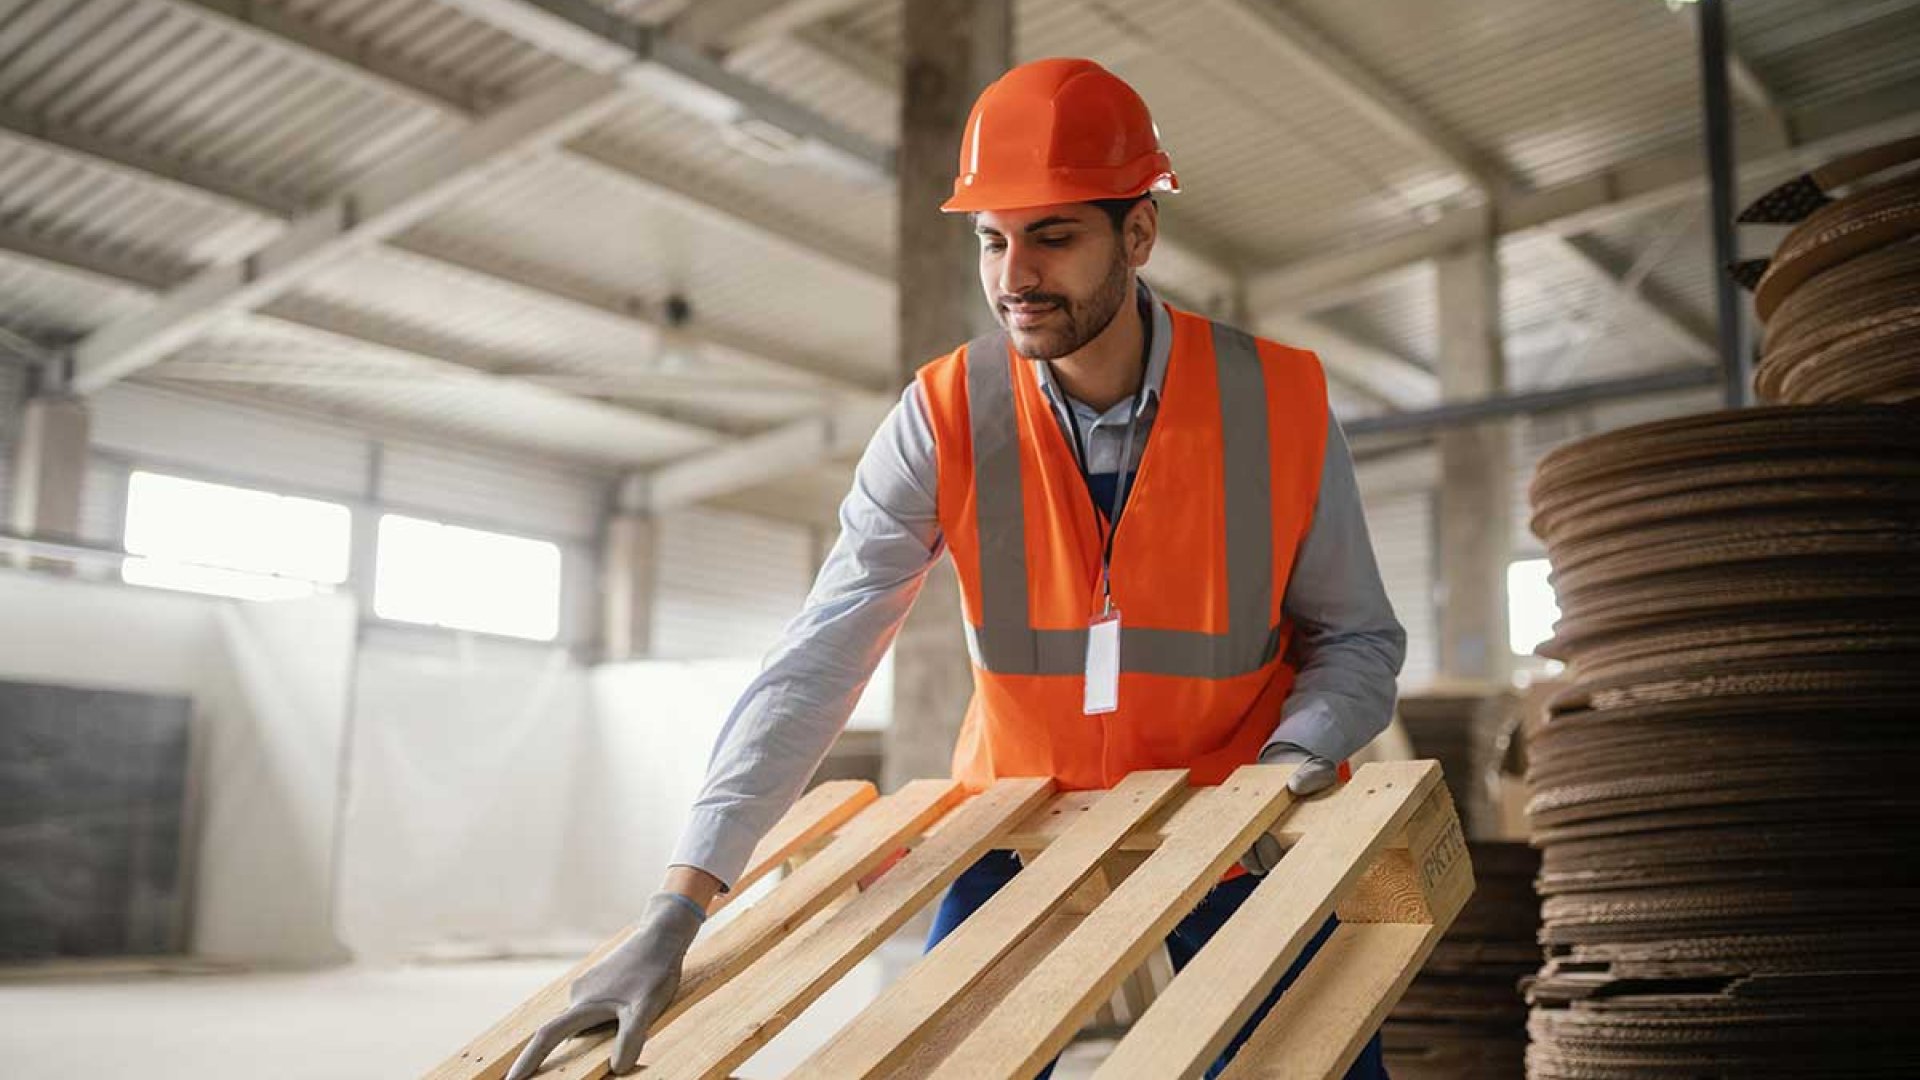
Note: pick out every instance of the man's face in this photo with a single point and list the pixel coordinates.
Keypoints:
(1054, 275)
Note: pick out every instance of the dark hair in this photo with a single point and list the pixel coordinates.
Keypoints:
(1118, 209)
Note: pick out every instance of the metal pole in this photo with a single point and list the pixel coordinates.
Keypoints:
(1734, 361)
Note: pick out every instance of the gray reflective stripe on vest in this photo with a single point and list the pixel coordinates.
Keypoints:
(1006, 643)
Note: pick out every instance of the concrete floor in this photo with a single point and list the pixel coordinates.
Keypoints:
(351, 1023)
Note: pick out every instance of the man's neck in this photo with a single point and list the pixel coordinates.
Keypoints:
(1108, 369)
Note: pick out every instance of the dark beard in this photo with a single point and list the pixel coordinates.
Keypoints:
(1085, 320)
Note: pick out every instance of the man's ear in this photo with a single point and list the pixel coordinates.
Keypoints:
(1139, 231)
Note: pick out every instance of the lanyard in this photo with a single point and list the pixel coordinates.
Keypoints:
(1080, 458)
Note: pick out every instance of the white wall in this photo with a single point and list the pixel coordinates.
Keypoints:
(1397, 495)
(727, 583)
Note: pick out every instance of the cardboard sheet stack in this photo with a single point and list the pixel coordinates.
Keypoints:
(1463, 1017)
(1460, 726)
(1721, 796)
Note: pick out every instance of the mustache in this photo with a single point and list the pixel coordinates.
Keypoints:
(1049, 299)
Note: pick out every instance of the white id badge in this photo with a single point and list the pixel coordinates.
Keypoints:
(1103, 664)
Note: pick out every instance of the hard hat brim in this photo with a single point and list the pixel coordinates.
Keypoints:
(970, 197)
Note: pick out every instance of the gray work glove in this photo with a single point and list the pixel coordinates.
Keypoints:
(631, 987)
(1315, 773)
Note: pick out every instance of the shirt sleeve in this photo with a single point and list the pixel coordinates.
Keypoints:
(788, 717)
(1347, 645)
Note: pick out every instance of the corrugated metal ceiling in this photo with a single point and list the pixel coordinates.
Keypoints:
(285, 102)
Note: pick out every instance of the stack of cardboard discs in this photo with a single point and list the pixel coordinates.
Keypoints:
(1463, 1017)
(1841, 296)
(1721, 795)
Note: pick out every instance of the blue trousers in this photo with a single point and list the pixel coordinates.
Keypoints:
(984, 878)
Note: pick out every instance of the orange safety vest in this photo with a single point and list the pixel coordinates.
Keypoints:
(1224, 495)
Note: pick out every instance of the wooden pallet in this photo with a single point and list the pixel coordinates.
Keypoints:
(1106, 876)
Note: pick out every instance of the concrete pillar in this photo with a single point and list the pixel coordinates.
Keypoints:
(1476, 486)
(628, 553)
(49, 468)
(365, 538)
(953, 49)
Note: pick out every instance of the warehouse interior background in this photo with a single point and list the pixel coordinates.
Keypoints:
(417, 417)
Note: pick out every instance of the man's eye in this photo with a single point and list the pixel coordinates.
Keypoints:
(1056, 240)
(995, 246)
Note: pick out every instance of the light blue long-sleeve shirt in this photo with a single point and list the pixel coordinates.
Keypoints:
(1347, 645)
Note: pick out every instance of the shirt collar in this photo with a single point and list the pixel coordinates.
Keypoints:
(1159, 346)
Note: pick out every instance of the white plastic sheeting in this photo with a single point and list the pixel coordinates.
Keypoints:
(463, 758)
(268, 683)
(496, 797)
(272, 706)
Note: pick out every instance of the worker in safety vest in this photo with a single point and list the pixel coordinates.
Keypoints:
(1160, 546)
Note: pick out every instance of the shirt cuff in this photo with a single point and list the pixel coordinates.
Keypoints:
(1316, 728)
(717, 844)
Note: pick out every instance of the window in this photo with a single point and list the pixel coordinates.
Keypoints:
(232, 541)
(467, 579)
(1531, 607)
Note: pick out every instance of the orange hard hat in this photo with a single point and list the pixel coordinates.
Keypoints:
(1058, 131)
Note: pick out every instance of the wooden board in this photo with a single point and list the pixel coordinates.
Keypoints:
(888, 1030)
(1106, 876)
(1220, 988)
(1041, 1014)
(729, 1026)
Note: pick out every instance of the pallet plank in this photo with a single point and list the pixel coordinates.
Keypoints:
(1319, 1025)
(956, 1019)
(1218, 990)
(890, 1030)
(1041, 1014)
(812, 817)
(862, 845)
(734, 1023)
(1044, 828)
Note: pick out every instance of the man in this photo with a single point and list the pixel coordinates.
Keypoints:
(1154, 520)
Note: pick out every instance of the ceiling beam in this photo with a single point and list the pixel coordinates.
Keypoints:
(1378, 372)
(1302, 47)
(343, 56)
(144, 279)
(793, 235)
(1643, 184)
(380, 205)
(646, 59)
(148, 279)
(727, 25)
(1687, 332)
(1305, 48)
(273, 210)
(758, 459)
(454, 101)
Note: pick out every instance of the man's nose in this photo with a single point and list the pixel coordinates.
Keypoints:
(1018, 273)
